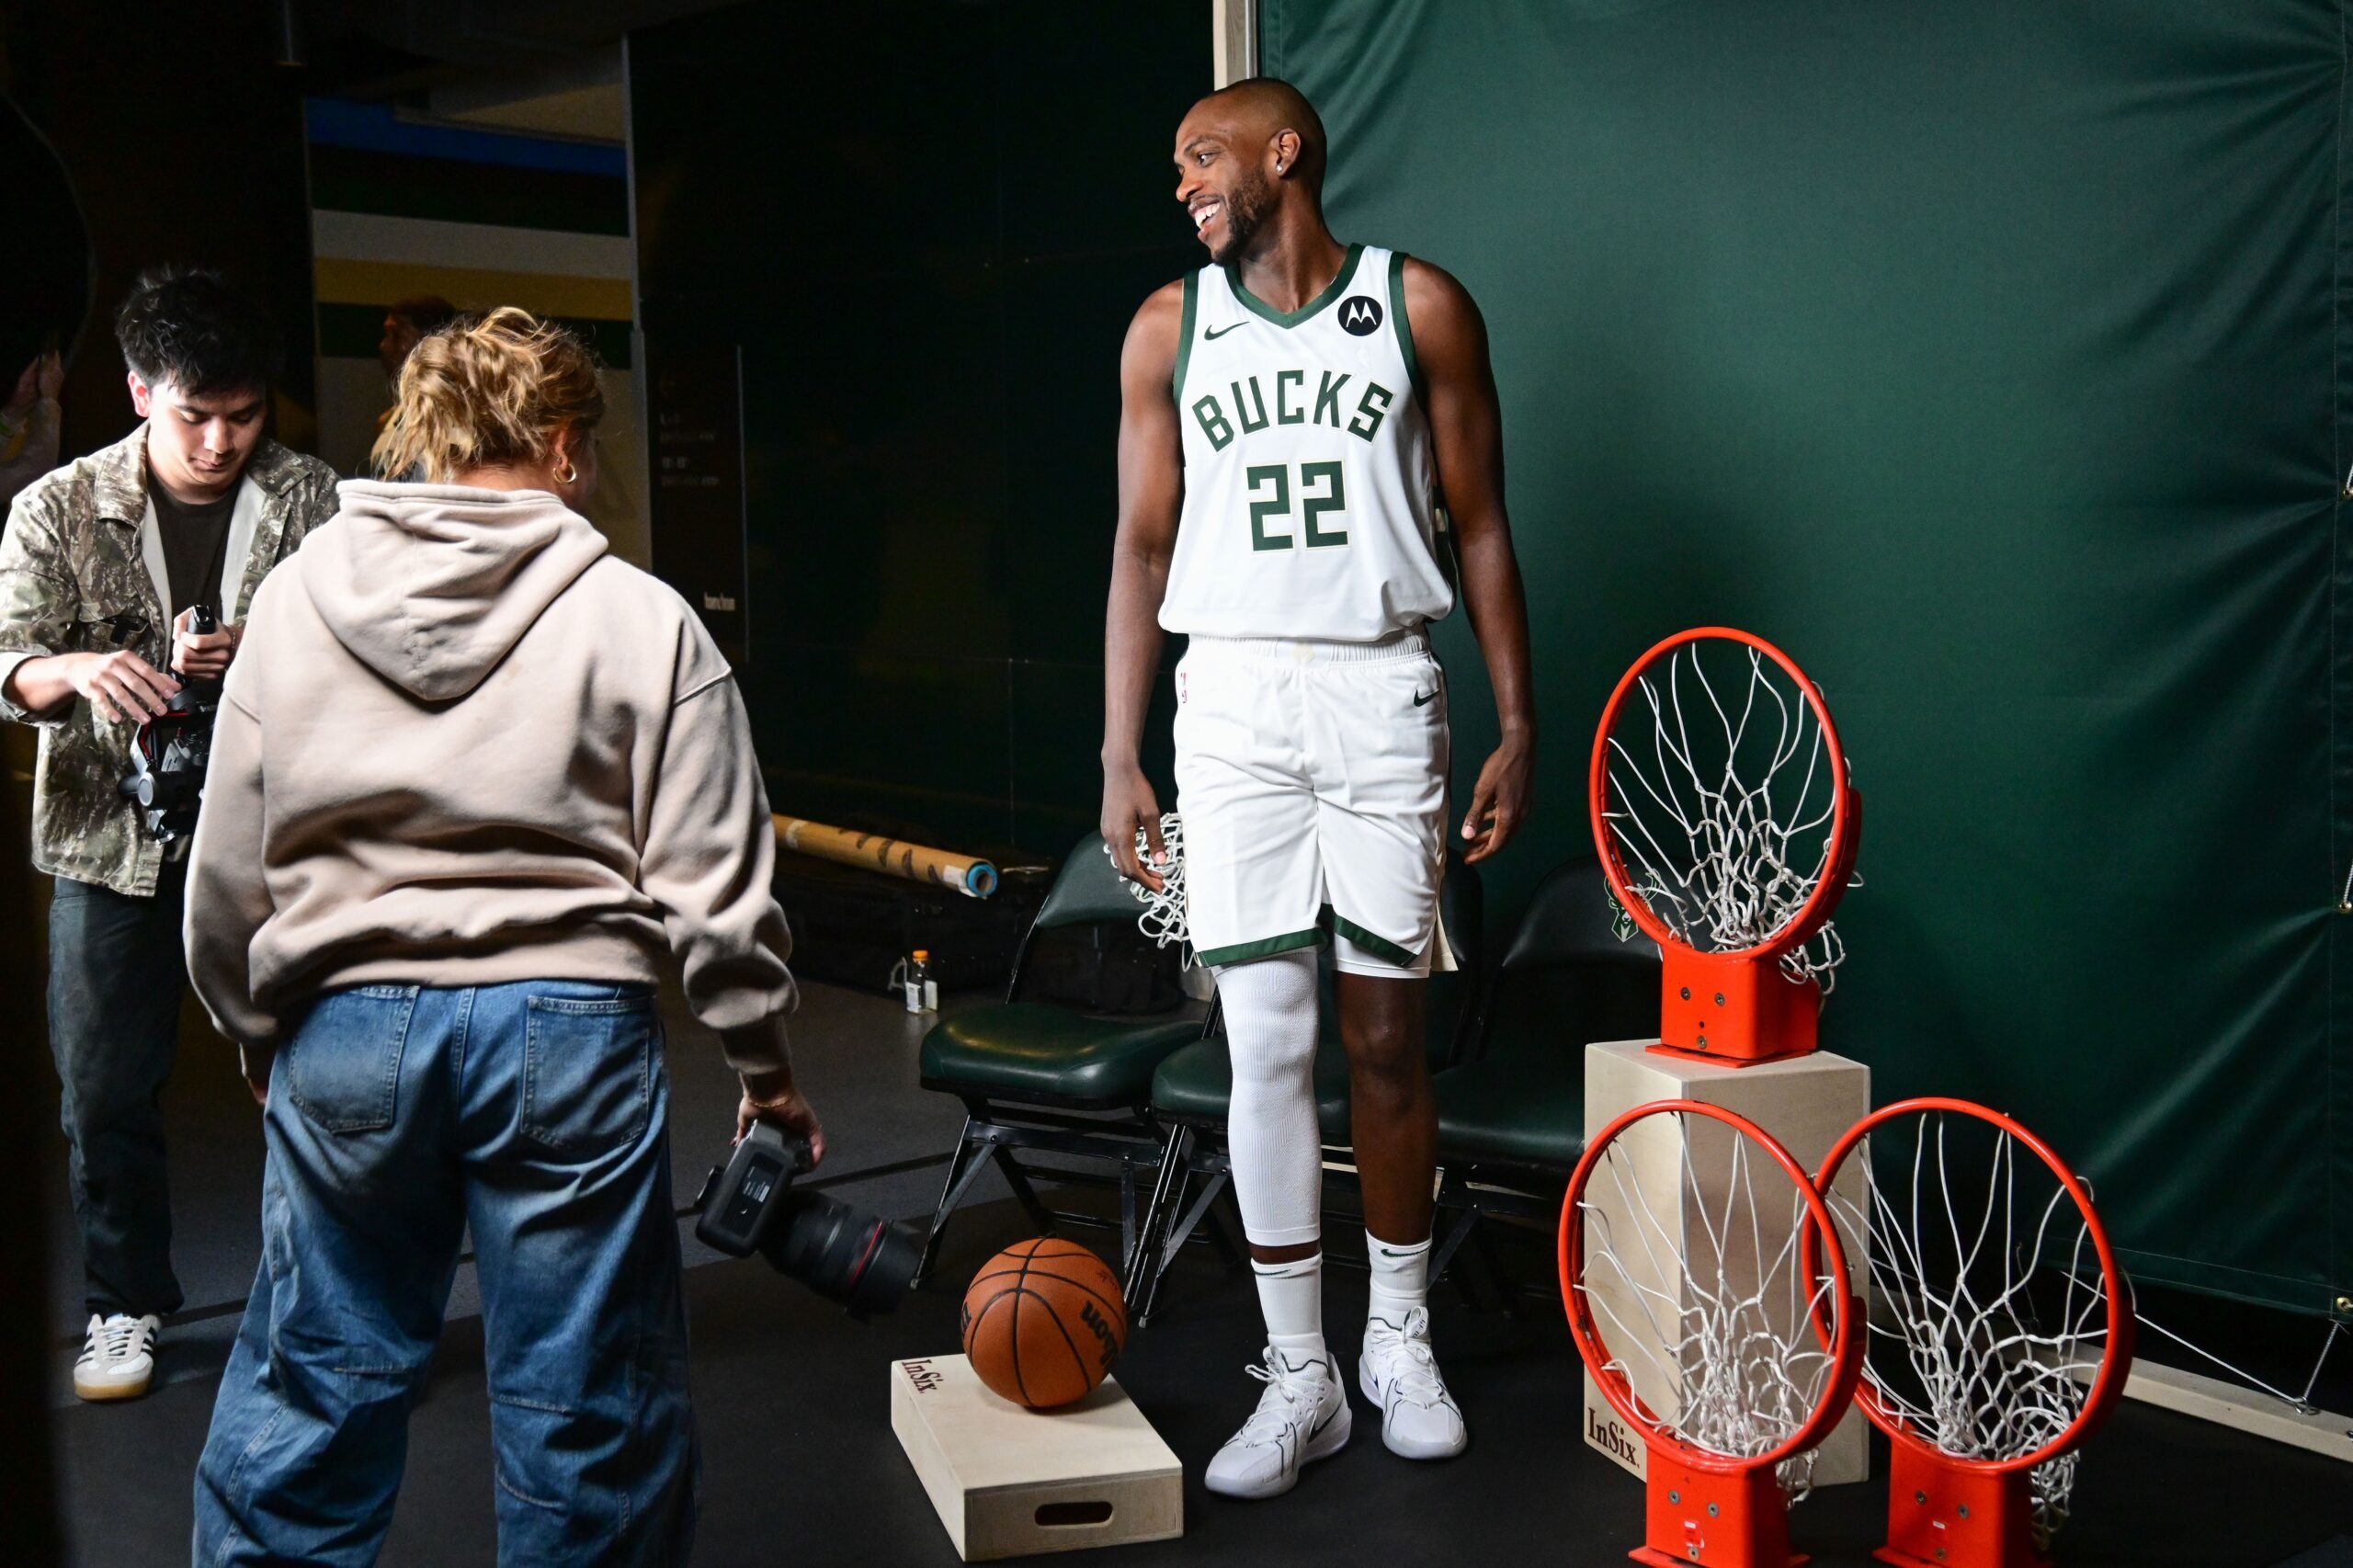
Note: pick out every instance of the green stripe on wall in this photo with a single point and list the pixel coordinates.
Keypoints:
(350, 332)
(344, 180)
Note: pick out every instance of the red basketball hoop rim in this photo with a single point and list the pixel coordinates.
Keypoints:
(2116, 1357)
(1846, 1347)
(1839, 850)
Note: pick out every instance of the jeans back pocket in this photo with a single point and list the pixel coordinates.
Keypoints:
(588, 1071)
(342, 1070)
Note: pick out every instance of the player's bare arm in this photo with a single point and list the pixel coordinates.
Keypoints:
(1152, 489)
(1466, 434)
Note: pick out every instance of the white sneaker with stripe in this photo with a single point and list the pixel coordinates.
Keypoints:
(1303, 1417)
(118, 1357)
(1418, 1418)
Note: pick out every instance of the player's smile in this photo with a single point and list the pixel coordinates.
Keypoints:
(1222, 217)
(1225, 220)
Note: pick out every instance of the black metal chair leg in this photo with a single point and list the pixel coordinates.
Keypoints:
(1226, 1231)
(1018, 1179)
(1465, 1221)
(1127, 1214)
(1493, 1260)
(962, 1166)
(1455, 1236)
(1141, 1286)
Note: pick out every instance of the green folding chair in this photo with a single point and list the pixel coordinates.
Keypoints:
(1038, 1077)
(1511, 1113)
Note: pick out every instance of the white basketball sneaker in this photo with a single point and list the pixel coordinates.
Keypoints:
(1302, 1416)
(118, 1357)
(1418, 1418)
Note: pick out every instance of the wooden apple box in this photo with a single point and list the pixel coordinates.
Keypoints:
(1008, 1481)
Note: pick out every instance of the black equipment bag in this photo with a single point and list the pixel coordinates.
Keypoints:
(1102, 968)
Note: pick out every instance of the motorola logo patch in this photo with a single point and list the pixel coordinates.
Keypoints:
(1360, 315)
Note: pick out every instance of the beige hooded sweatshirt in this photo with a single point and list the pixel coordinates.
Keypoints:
(462, 745)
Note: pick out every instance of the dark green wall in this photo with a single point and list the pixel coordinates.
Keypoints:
(1985, 355)
(927, 224)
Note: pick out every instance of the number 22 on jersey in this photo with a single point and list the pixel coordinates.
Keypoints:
(1319, 529)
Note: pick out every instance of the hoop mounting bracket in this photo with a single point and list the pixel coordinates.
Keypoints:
(1733, 1011)
(1940, 1515)
(1719, 1519)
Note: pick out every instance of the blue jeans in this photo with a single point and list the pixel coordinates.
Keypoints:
(399, 1115)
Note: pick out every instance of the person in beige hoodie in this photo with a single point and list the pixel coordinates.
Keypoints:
(475, 783)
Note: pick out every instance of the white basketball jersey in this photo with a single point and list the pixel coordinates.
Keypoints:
(1310, 490)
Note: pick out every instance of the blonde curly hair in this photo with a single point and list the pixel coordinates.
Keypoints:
(484, 390)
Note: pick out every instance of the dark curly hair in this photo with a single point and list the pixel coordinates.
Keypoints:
(185, 326)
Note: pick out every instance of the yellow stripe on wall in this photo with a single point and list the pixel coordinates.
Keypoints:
(344, 281)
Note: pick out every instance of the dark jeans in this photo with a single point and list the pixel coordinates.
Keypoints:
(399, 1116)
(115, 970)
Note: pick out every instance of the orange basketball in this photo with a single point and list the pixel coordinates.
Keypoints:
(1044, 1321)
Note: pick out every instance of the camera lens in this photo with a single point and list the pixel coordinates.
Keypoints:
(842, 1253)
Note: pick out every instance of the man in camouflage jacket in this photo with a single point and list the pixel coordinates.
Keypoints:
(89, 568)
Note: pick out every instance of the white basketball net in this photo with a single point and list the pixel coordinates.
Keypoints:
(1163, 919)
(1994, 1310)
(1712, 1326)
(1726, 861)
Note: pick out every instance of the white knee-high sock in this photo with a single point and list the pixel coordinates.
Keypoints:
(1271, 1138)
(1401, 1280)
(1292, 1297)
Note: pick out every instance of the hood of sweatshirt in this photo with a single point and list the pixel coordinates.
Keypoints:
(430, 585)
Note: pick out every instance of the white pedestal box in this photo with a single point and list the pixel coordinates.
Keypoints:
(1806, 1103)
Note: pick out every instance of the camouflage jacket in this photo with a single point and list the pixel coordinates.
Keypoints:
(76, 578)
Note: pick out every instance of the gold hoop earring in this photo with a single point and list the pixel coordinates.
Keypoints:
(569, 475)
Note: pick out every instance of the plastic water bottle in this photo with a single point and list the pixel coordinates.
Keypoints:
(922, 991)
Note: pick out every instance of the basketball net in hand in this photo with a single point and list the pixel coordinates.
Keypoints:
(1163, 919)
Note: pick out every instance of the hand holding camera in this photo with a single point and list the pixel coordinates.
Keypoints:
(174, 745)
(748, 1204)
(771, 1097)
(201, 650)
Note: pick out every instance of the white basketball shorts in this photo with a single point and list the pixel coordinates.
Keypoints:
(1312, 781)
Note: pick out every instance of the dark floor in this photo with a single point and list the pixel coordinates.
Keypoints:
(799, 1465)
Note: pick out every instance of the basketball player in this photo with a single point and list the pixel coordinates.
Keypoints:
(1293, 415)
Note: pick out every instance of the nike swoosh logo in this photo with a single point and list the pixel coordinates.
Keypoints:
(1420, 699)
(1211, 334)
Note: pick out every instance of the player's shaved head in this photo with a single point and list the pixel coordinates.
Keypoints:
(1263, 107)
(1244, 154)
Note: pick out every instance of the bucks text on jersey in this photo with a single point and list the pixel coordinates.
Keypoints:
(1311, 507)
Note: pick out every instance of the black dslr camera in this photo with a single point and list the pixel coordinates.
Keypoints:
(170, 752)
(844, 1253)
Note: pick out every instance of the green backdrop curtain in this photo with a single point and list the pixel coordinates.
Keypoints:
(1987, 355)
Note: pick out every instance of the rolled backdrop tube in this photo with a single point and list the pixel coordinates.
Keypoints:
(892, 857)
